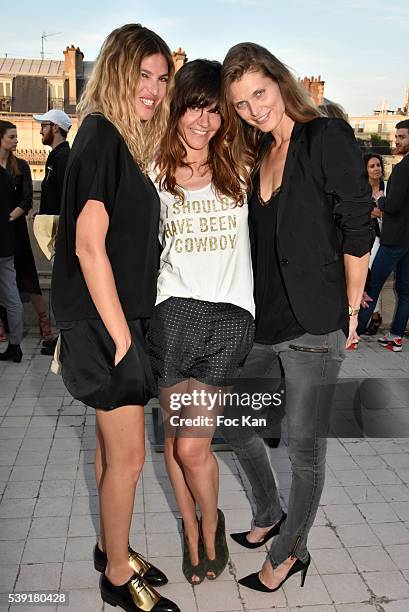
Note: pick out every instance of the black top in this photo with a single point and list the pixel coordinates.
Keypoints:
(375, 220)
(26, 273)
(51, 187)
(101, 168)
(323, 213)
(275, 320)
(395, 226)
(15, 190)
(22, 186)
(6, 206)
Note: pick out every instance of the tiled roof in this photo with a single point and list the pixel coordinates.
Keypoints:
(32, 67)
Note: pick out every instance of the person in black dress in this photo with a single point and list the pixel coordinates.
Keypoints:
(9, 295)
(104, 287)
(311, 234)
(26, 272)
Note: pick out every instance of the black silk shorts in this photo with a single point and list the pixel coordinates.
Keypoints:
(191, 338)
(88, 370)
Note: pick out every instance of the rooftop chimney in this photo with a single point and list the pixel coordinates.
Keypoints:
(179, 58)
(315, 88)
(73, 68)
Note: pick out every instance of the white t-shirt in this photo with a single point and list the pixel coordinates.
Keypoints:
(206, 249)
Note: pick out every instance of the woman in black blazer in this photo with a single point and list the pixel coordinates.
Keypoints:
(309, 208)
(26, 272)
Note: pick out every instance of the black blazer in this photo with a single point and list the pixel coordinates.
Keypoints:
(23, 187)
(6, 206)
(395, 226)
(323, 212)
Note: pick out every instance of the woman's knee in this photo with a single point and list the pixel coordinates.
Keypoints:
(192, 452)
(121, 436)
(127, 462)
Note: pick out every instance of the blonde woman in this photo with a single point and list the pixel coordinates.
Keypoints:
(104, 287)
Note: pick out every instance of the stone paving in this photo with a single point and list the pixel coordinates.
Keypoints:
(49, 510)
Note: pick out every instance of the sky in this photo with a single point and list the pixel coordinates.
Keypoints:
(359, 47)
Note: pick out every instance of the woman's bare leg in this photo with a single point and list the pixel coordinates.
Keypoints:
(41, 309)
(183, 495)
(123, 435)
(100, 467)
(38, 302)
(201, 470)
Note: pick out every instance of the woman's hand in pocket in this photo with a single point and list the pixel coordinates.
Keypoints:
(121, 348)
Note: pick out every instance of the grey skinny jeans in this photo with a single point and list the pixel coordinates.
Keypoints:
(10, 299)
(311, 365)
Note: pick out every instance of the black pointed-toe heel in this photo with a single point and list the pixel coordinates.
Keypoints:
(241, 538)
(136, 595)
(190, 570)
(216, 566)
(252, 581)
(151, 574)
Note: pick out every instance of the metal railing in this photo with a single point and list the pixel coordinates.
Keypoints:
(33, 156)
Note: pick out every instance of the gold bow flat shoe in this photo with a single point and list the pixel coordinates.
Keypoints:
(136, 595)
(151, 574)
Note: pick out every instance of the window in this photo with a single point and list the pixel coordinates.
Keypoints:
(5, 96)
(56, 96)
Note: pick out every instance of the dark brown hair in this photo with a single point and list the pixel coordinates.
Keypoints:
(368, 156)
(197, 83)
(402, 124)
(12, 159)
(244, 140)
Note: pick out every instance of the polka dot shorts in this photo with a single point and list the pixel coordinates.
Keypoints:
(191, 338)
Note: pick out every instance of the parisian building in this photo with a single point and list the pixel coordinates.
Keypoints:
(34, 86)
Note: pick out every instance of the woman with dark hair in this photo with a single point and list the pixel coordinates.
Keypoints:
(104, 287)
(310, 225)
(9, 295)
(375, 172)
(202, 326)
(26, 272)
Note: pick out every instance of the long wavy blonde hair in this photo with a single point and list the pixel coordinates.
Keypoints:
(111, 89)
(244, 140)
